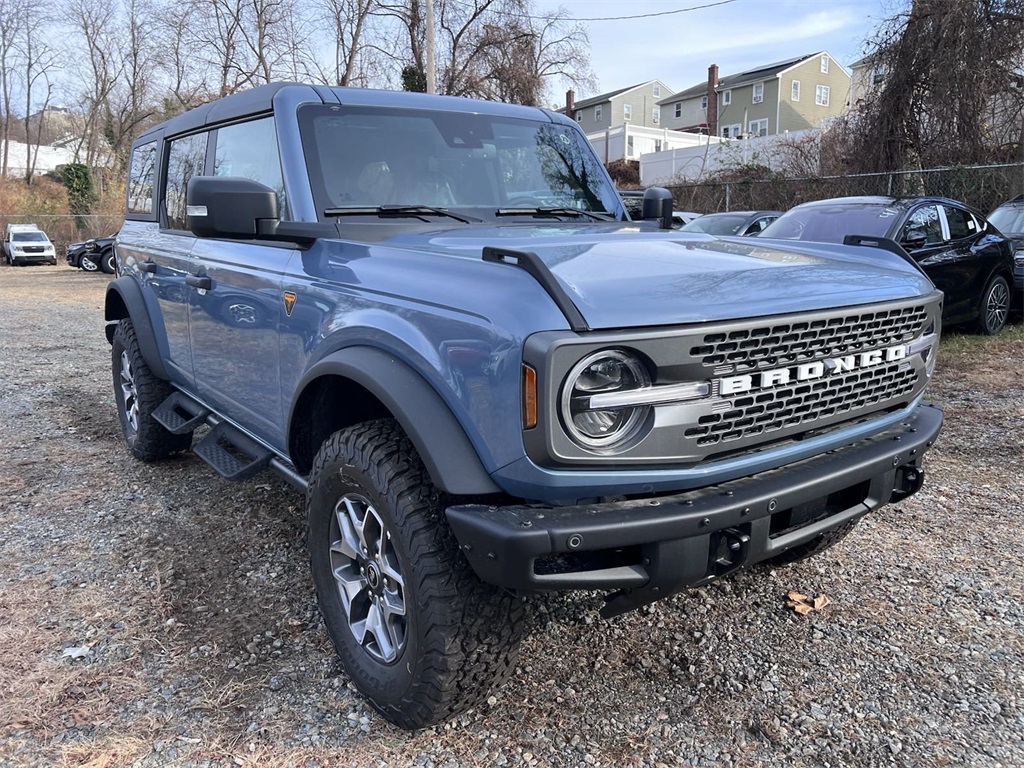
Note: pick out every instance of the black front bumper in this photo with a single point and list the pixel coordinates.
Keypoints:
(651, 548)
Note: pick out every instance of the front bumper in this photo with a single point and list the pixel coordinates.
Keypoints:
(651, 548)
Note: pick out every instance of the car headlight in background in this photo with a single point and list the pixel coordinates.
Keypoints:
(594, 417)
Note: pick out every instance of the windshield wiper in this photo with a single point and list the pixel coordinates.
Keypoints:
(398, 211)
(554, 211)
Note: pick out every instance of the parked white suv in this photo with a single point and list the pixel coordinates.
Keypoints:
(27, 244)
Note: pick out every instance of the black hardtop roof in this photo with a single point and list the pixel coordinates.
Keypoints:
(261, 100)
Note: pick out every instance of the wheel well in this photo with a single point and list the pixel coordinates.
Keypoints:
(317, 415)
(115, 309)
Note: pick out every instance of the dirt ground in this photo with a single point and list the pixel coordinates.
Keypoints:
(160, 615)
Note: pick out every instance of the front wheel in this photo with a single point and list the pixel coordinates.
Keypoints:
(995, 306)
(418, 633)
(138, 392)
(86, 262)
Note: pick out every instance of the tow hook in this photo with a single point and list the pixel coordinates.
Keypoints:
(907, 482)
(731, 552)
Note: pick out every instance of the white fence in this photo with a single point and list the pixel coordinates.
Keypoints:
(694, 162)
(631, 142)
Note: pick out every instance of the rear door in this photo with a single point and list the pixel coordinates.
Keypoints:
(971, 259)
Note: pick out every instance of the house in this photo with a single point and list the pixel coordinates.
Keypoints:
(866, 77)
(635, 105)
(791, 95)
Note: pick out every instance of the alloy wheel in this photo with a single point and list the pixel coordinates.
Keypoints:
(368, 578)
(129, 392)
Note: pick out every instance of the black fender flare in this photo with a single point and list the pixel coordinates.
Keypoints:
(124, 299)
(439, 438)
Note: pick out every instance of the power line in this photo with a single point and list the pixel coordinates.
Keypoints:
(651, 15)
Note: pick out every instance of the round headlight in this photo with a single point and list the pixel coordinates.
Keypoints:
(590, 424)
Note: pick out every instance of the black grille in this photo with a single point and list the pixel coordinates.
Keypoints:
(769, 346)
(789, 406)
(33, 248)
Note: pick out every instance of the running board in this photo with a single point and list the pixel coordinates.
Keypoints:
(180, 414)
(232, 453)
(226, 448)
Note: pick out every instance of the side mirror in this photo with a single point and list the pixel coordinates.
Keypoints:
(914, 240)
(229, 206)
(658, 204)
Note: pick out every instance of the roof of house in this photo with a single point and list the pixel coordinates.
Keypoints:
(732, 81)
(603, 97)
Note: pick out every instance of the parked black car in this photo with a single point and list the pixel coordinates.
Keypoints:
(1008, 218)
(93, 255)
(966, 257)
(732, 222)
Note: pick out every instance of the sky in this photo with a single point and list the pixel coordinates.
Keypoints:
(736, 35)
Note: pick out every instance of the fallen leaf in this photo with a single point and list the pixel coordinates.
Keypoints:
(820, 602)
(796, 596)
(78, 652)
(803, 608)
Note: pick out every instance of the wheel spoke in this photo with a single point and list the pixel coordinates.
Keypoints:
(350, 586)
(378, 627)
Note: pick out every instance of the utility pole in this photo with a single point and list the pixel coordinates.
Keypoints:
(431, 74)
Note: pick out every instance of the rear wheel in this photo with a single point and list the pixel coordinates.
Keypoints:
(138, 392)
(418, 633)
(995, 306)
(107, 261)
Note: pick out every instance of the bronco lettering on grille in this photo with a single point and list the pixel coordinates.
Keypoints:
(734, 385)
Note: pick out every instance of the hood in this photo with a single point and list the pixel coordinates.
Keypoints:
(623, 275)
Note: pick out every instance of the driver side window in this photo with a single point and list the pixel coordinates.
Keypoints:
(924, 221)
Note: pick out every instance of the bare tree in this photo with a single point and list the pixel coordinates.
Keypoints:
(945, 62)
(11, 19)
(39, 61)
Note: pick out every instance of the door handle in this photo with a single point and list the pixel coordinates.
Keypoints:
(202, 282)
(147, 266)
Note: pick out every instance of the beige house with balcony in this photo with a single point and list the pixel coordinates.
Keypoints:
(791, 95)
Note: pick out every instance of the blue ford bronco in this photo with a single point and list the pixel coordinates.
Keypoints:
(434, 317)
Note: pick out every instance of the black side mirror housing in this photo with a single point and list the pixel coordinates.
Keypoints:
(229, 207)
(658, 204)
(914, 240)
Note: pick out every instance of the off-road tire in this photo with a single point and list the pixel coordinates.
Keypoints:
(994, 307)
(813, 547)
(461, 636)
(147, 439)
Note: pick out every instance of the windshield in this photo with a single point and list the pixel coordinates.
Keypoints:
(715, 224)
(28, 237)
(1009, 221)
(372, 156)
(831, 223)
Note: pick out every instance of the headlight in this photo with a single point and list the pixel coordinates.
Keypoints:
(601, 423)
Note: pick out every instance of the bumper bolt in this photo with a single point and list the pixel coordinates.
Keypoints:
(729, 493)
(745, 512)
(895, 461)
(574, 542)
(705, 522)
(773, 505)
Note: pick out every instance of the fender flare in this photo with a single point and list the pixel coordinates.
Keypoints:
(441, 442)
(124, 299)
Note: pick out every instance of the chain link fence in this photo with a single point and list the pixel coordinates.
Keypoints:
(981, 186)
(63, 229)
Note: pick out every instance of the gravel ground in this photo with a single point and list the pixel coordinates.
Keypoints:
(159, 615)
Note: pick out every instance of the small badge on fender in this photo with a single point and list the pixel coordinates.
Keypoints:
(289, 302)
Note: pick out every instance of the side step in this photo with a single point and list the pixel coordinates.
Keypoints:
(179, 414)
(232, 453)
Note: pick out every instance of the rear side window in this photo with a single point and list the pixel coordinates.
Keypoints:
(186, 158)
(141, 178)
(250, 150)
(961, 223)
